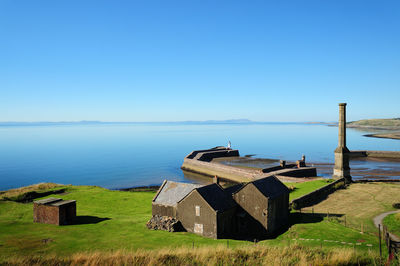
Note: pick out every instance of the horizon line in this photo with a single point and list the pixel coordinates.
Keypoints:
(183, 121)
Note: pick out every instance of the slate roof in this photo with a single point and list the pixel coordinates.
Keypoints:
(271, 187)
(216, 197)
(171, 192)
(232, 189)
(47, 201)
(53, 202)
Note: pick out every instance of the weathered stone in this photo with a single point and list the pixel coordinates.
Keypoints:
(342, 154)
(164, 223)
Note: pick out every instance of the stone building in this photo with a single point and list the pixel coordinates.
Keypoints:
(207, 211)
(54, 211)
(257, 209)
(264, 207)
(165, 201)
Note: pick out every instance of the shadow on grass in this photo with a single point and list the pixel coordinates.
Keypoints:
(259, 233)
(304, 218)
(86, 219)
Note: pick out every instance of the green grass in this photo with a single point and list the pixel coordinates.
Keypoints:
(392, 222)
(119, 220)
(301, 189)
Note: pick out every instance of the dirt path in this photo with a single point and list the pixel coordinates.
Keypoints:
(379, 219)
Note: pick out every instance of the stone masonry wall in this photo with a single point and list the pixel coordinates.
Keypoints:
(318, 195)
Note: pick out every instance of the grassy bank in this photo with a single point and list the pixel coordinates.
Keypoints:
(300, 189)
(359, 204)
(110, 221)
(251, 255)
(392, 222)
(376, 123)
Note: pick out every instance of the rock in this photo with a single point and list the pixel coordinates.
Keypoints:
(165, 223)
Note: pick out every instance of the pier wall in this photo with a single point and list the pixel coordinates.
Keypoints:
(222, 171)
(376, 154)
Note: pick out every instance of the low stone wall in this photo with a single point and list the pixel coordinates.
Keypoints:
(162, 210)
(296, 172)
(376, 154)
(318, 195)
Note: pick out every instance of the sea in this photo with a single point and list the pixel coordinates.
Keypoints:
(124, 155)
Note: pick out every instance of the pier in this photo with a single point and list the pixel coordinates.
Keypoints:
(201, 162)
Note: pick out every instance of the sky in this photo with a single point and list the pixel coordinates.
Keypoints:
(198, 60)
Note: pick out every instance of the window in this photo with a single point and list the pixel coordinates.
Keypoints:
(197, 210)
(198, 228)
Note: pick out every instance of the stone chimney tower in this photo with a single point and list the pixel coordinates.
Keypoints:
(342, 168)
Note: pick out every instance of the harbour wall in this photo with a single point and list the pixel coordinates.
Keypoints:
(223, 171)
(376, 154)
(237, 174)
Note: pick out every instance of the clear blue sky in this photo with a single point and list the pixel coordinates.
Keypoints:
(198, 60)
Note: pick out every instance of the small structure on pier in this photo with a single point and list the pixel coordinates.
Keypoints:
(54, 211)
(342, 154)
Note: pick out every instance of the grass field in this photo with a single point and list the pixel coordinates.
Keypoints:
(392, 222)
(220, 255)
(300, 189)
(115, 220)
(360, 203)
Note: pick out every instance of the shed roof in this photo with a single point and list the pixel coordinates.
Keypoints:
(232, 189)
(269, 186)
(216, 197)
(47, 201)
(54, 202)
(171, 192)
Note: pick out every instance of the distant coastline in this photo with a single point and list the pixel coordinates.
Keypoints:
(206, 122)
(391, 127)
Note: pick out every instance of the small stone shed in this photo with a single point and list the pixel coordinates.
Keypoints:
(165, 201)
(207, 211)
(264, 207)
(54, 211)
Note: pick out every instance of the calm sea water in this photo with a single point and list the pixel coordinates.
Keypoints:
(128, 155)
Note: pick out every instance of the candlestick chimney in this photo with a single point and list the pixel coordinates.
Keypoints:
(342, 168)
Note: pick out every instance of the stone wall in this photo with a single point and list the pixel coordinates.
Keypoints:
(46, 214)
(222, 171)
(318, 195)
(162, 210)
(376, 154)
(209, 155)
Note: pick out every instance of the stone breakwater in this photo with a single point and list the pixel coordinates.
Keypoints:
(201, 162)
(376, 154)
